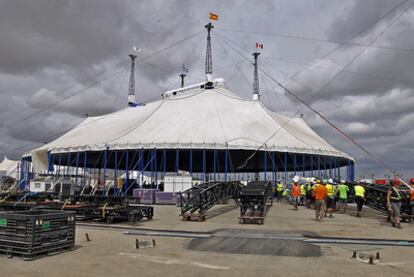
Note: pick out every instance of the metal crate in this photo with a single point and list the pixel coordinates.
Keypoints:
(34, 233)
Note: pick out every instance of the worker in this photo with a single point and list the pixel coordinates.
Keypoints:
(303, 190)
(359, 198)
(330, 197)
(412, 198)
(320, 193)
(394, 202)
(296, 193)
(279, 191)
(309, 193)
(343, 190)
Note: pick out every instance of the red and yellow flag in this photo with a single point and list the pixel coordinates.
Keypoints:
(213, 16)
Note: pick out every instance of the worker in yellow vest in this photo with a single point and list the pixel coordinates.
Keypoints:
(359, 198)
(279, 191)
(303, 194)
(330, 197)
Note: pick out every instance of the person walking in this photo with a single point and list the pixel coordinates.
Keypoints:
(303, 191)
(343, 190)
(359, 198)
(279, 191)
(330, 197)
(320, 193)
(296, 193)
(412, 198)
(394, 202)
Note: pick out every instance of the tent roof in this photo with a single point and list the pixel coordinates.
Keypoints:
(194, 118)
(8, 166)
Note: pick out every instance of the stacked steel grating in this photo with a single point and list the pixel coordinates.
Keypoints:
(34, 233)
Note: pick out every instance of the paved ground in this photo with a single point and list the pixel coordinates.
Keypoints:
(111, 253)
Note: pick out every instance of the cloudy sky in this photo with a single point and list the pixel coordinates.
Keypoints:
(351, 60)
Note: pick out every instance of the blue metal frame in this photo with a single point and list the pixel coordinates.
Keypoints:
(214, 163)
(319, 166)
(126, 182)
(294, 164)
(191, 162)
(324, 166)
(60, 161)
(204, 164)
(285, 165)
(77, 167)
(311, 165)
(225, 165)
(177, 160)
(265, 165)
(116, 172)
(273, 168)
(22, 173)
(104, 171)
(84, 167)
(67, 169)
(164, 154)
(303, 164)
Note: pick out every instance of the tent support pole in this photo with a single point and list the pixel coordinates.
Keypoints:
(104, 171)
(273, 169)
(330, 167)
(126, 182)
(156, 167)
(225, 165)
(190, 163)
(303, 165)
(177, 160)
(116, 173)
(294, 164)
(204, 165)
(311, 165)
(84, 167)
(286, 174)
(265, 164)
(21, 187)
(214, 163)
(77, 166)
(319, 166)
(68, 163)
(164, 159)
(60, 161)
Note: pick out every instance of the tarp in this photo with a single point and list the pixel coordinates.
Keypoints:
(194, 118)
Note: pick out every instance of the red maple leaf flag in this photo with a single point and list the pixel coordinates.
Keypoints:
(259, 45)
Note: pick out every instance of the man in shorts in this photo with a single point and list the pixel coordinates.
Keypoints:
(343, 190)
(331, 194)
(320, 193)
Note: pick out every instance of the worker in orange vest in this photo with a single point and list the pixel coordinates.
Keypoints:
(296, 193)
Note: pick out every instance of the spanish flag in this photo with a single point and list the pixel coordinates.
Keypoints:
(213, 16)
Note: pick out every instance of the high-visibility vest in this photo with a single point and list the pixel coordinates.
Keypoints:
(395, 195)
(303, 190)
(279, 187)
(330, 189)
(359, 191)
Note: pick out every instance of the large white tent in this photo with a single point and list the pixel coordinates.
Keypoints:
(193, 118)
(9, 168)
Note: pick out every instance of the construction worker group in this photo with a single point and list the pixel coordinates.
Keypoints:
(330, 196)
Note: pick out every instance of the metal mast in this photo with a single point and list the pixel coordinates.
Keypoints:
(256, 94)
(209, 62)
(131, 90)
(182, 75)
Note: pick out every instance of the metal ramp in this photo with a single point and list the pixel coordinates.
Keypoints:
(196, 201)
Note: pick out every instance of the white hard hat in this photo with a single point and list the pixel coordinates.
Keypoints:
(330, 181)
(295, 179)
(343, 181)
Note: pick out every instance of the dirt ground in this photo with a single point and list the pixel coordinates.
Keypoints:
(112, 253)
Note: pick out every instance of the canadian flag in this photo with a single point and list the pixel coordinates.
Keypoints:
(259, 45)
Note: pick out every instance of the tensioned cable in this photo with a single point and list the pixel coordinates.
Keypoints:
(118, 66)
(348, 137)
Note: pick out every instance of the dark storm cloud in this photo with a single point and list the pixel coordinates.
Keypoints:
(53, 50)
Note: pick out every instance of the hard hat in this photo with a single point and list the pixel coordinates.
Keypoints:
(343, 181)
(330, 181)
(295, 179)
(397, 181)
(318, 181)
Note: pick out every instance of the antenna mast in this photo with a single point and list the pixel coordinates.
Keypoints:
(131, 89)
(209, 62)
(256, 94)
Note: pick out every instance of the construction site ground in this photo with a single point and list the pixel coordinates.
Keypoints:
(244, 250)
